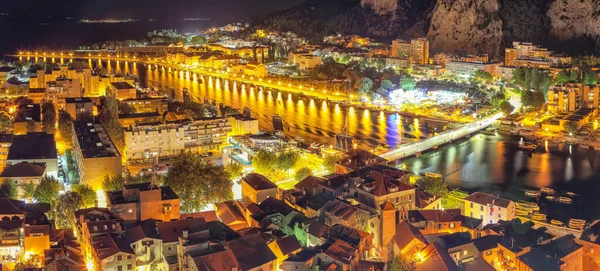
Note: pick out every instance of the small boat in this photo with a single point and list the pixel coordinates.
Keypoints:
(533, 193)
(585, 147)
(528, 146)
(571, 194)
(557, 222)
(536, 208)
(565, 200)
(521, 213)
(548, 190)
(539, 217)
(576, 223)
(433, 175)
(550, 198)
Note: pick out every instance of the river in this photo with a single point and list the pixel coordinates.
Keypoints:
(487, 163)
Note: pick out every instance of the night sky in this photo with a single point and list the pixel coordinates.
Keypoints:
(221, 11)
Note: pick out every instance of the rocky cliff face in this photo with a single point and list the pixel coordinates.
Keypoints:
(572, 19)
(466, 25)
(381, 7)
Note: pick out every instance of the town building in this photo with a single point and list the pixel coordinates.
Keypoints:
(256, 188)
(148, 104)
(525, 54)
(468, 69)
(138, 202)
(99, 222)
(401, 49)
(255, 69)
(123, 90)
(243, 125)
(64, 252)
(566, 98)
(95, 154)
(147, 244)
(57, 91)
(27, 119)
(420, 51)
(489, 208)
(5, 142)
(304, 60)
(77, 106)
(397, 62)
(591, 246)
(24, 174)
(140, 118)
(37, 95)
(202, 135)
(34, 148)
(6, 73)
(24, 230)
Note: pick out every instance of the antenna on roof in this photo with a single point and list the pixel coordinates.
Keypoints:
(155, 166)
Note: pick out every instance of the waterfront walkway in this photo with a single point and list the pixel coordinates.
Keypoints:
(406, 150)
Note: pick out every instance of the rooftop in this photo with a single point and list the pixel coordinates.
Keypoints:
(24, 169)
(121, 85)
(32, 146)
(27, 112)
(78, 100)
(93, 141)
(258, 182)
(487, 199)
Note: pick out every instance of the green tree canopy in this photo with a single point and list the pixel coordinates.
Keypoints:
(387, 84)
(302, 173)
(264, 162)
(47, 190)
(234, 170)
(365, 86)
(65, 128)
(48, 117)
(198, 183)
(88, 195)
(8, 189)
(64, 208)
(506, 107)
(5, 121)
(407, 82)
(110, 120)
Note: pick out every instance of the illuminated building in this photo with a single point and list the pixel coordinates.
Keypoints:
(397, 62)
(255, 69)
(150, 104)
(591, 246)
(91, 224)
(5, 142)
(401, 49)
(566, 98)
(34, 148)
(37, 95)
(23, 174)
(123, 90)
(420, 51)
(304, 60)
(488, 208)
(243, 125)
(256, 188)
(138, 202)
(202, 135)
(135, 119)
(468, 69)
(27, 118)
(525, 54)
(64, 252)
(77, 106)
(57, 91)
(95, 154)
(6, 73)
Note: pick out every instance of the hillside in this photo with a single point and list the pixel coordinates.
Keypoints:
(469, 26)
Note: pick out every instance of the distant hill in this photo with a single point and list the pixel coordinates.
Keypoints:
(469, 26)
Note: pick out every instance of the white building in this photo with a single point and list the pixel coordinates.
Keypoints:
(489, 208)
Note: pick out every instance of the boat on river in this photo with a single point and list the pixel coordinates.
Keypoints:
(576, 223)
(533, 193)
(548, 190)
(521, 213)
(557, 222)
(539, 217)
(565, 200)
(550, 198)
(571, 194)
(528, 146)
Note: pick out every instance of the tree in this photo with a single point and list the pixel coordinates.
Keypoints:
(570, 127)
(198, 183)
(110, 120)
(433, 185)
(65, 128)
(402, 263)
(31, 127)
(47, 190)
(330, 160)
(64, 208)
(483, 76)
(79, 65)
(28, 191)
(562, 77)
(48, 117)
(302, 173)
(114, 183)
(8, 189)
(5, 121)
(287, 160)
(407, 82)
(234, 170)
(264, 162)
(506, 107)
(88, 195)
(198, 40)
(365, 86)
(387, 84)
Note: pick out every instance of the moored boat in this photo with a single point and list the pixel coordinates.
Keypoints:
(571, 194)
(539, 217)
(550, 198)
(565, 200)
(557, 222)
(548, 190)
(521, 213)
(532, 193)
(528, 146)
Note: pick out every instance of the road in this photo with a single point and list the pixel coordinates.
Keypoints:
(442, 138)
